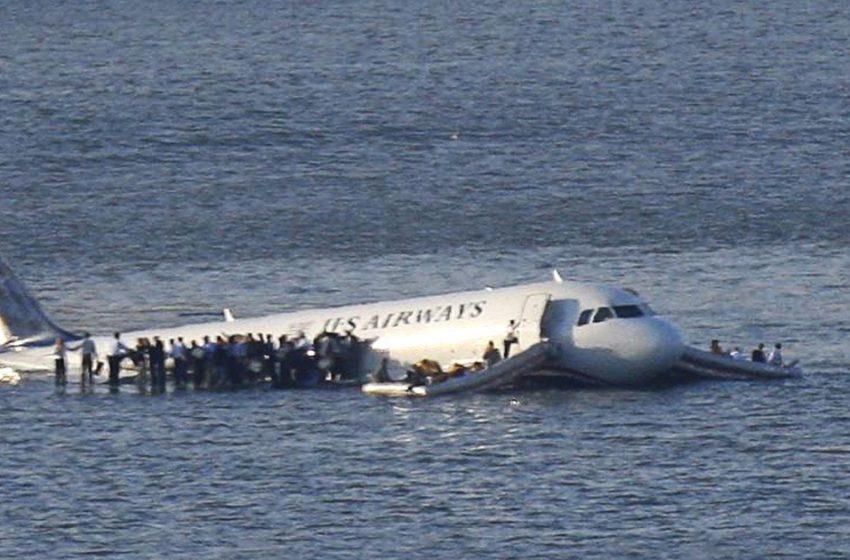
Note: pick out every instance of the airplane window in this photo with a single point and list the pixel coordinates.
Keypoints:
(628, 311)
(584, 318)
(602, 314)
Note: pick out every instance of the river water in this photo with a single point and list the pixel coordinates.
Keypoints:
(161, 161)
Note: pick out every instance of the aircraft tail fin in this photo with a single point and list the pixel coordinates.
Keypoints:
(22, 321)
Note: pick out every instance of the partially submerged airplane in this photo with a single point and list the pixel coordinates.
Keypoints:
(596, 334)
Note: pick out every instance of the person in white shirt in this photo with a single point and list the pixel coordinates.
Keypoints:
(510, 338)
(736, 354)
(301, 341)
(117, 351)
(775, 357)
(178, 354)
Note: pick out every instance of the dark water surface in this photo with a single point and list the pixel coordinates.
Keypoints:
(159, 160)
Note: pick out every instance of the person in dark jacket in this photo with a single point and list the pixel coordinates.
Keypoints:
(758, 354)
(157, 360)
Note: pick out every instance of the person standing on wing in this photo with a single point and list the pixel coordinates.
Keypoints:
(60, 358)
(116, 353)
(383, 374)
(89, 353)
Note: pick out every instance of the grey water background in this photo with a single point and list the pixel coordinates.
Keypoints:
(163, 159)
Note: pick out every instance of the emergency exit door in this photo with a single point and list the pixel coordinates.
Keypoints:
(531, 320)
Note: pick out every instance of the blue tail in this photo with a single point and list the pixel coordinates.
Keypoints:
(22, 321)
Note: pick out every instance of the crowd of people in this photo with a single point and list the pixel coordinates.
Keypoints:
(758, 355)
(236, 360)
(223, 361)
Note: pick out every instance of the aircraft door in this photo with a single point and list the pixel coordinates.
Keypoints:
(531, 320)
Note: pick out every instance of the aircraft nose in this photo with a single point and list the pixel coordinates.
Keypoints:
(649, 346)
(653, 343)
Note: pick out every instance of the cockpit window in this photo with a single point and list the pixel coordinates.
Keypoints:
(602, 314)
(647, 310)
(584, 318)
(628, 311)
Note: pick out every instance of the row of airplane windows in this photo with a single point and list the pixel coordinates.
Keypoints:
(619, 311)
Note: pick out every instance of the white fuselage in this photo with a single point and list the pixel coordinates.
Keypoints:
(629, 347)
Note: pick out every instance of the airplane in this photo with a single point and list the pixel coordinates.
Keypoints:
(599, 334)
